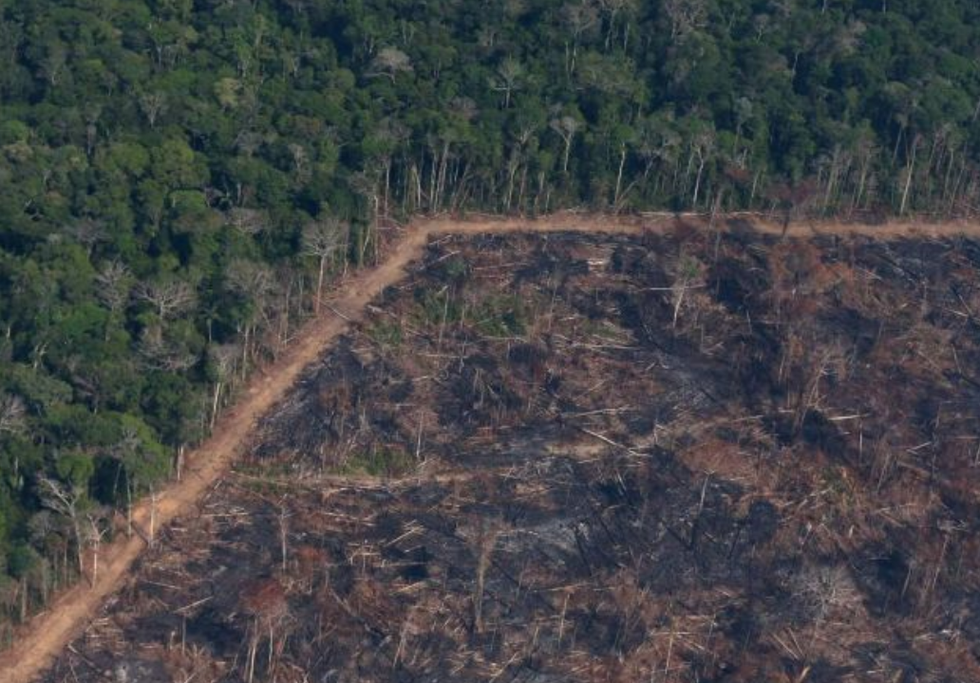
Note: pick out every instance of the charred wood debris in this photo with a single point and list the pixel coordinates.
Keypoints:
(701, 456)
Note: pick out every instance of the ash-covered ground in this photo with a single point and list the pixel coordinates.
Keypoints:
(711, 457)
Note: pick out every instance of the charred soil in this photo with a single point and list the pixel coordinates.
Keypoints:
(688, 455)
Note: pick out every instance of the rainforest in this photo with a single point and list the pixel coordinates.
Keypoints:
(183, 184)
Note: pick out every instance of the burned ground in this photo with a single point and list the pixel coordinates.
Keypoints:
(687, 457)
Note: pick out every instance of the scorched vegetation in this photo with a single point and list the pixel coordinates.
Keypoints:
(701, 456)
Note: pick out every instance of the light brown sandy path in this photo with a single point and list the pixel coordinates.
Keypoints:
(40, 641)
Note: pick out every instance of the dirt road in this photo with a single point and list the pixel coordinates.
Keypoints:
(45, 636)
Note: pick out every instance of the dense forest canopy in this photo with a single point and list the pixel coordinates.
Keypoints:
(178, 176)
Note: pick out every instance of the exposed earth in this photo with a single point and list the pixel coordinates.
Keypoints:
(660, 452)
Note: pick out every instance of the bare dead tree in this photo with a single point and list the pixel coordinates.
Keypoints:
(265, 603)
(289, 290)
(95, 531)
(160, 353)
(566, 127)
(224, 358)
(152, 104)
(701, 147)
(65, 500)
(390, 134)
(301, 161)
(87, 232)
(365, 184)
(113, 285)
(255, 283)
(13, 414)
(43, 527)
(248, 222)
(321, 239)
(613, 9)
(685, 16)
(126, 450)
(389, 62)
(507, 78)
(909, 173)
(54, 64)
(578, 18)
(169, 297)
(250, 279)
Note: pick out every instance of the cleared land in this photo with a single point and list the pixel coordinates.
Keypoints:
(622, 453)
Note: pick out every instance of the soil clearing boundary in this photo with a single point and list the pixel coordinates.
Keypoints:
(40, 641)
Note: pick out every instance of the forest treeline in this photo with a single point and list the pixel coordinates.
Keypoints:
(180, 178)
